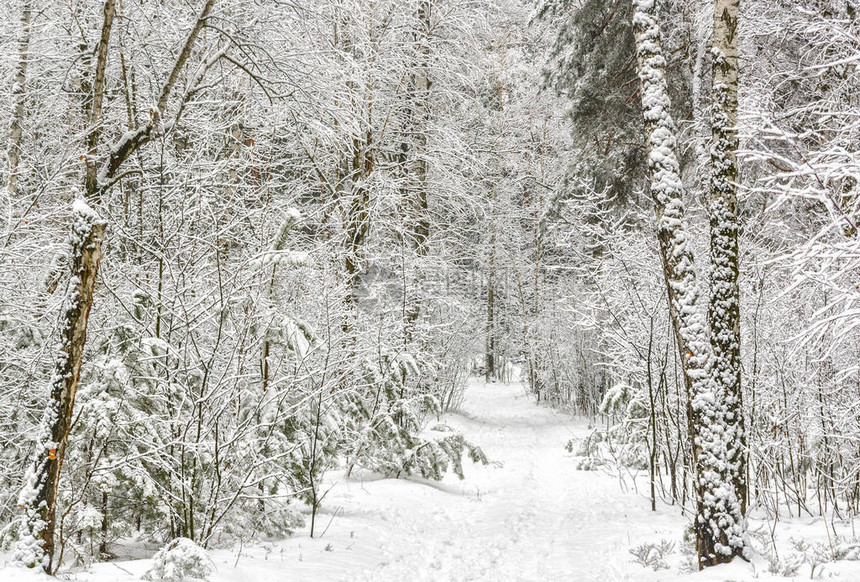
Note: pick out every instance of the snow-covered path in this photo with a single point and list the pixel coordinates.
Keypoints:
(529, 516)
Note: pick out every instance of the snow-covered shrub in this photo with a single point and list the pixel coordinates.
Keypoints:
(274, 520)
(589, 464)
(387, 419)
(585, 447)
(587, 450)
(432, 458)
(114, 464)
(179, 560)
(653, 555)
(617, 398)
(847, 550)
(625, 440)
(813, 553)
(627, 437)
(762, 541)
(280, 522)
(10, 534)
(785, 566)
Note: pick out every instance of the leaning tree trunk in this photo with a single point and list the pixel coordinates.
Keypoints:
(718, 524)
(39, 495)
(724, 306)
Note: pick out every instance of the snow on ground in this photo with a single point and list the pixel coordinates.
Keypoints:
(529, 516)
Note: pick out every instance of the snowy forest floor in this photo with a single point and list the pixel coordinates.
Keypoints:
(530, 515)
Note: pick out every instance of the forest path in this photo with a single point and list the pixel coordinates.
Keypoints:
(530, 515)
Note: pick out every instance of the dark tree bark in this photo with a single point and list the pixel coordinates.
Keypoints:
(95, 112)
(416, 162)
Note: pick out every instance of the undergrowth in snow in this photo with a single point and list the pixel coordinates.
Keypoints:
(179, 560)
(529, 515)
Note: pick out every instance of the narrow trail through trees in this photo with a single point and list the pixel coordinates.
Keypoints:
(531, 515)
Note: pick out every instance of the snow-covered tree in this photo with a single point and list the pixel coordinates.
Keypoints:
(713, 417)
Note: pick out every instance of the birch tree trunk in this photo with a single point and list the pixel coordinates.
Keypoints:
(724, 305)
(39, 495)
(718, 525)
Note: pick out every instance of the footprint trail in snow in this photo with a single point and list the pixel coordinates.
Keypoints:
(530, 515)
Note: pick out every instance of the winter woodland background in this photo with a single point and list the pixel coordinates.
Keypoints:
(322, 216)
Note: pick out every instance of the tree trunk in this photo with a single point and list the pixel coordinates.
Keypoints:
(718, 524)
(103, 542)
(95, 112)
(491, 360)
(39, 495)
(724, 306)
(356, 229)
(415, 166)
(490, 351)
(17, 130)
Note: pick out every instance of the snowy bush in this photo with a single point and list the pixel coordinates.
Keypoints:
(280, 522)
(274, 521)
(588, 464)
(653, 555)
(813, 553)
(587, 451)
(626, 439)
(178, 560)
(787, 566)
(387, 422)
(10, 534)
(847, 550)
(616, 398)
(587, 446)
(762, 541)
